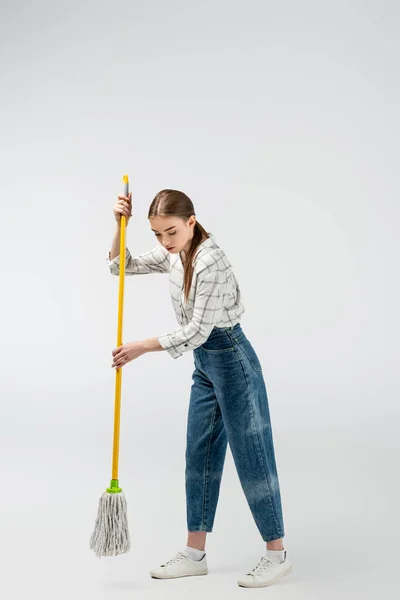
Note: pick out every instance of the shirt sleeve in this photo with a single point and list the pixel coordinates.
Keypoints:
(207, 309)
(156, 260)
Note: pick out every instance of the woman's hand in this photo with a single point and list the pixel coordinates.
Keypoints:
(123, 206)
(126, 353)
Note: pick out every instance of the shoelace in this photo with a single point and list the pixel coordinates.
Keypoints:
(262, 565)
(176, 558)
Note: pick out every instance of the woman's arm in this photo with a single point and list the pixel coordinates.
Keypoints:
(131, 350)
(152, 345)
(208, 306)
(156, 260)
(115, 243)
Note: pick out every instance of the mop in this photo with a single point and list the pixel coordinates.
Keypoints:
(111, 533)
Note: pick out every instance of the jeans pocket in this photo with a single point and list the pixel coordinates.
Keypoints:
(218, 344)
(219, 350)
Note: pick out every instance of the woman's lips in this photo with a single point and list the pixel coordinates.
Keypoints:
(171, 248)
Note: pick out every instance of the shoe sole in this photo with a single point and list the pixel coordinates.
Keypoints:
(176, 576)
(283, 574)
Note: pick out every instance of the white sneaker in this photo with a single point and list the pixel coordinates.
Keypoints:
(266, 573)
(181, 566)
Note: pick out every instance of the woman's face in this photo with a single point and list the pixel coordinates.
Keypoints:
(174, 233)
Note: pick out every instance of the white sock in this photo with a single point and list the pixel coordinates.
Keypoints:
(277, 556)
(194, 553)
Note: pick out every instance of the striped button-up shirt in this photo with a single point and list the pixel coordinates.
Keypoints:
(214, 298)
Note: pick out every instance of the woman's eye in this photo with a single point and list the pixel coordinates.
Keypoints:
(158, 235)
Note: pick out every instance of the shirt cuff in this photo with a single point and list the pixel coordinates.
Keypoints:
(165, 342)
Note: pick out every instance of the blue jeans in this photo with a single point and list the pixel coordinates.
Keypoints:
(228, 403)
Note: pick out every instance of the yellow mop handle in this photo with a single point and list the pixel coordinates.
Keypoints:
(118, 375)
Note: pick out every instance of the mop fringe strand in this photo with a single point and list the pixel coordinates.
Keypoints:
(111, 533)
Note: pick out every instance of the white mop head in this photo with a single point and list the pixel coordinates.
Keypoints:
(111, 534)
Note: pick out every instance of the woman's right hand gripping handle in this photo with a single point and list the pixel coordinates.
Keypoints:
(123, 206)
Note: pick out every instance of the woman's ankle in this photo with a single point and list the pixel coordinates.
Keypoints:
(197, 540)
(275, 545)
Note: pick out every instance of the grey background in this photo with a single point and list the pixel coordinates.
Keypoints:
(280, 120)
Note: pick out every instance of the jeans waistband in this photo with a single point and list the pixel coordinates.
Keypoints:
(233, 331)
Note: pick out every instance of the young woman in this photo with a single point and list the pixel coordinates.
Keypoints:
(228, 400)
